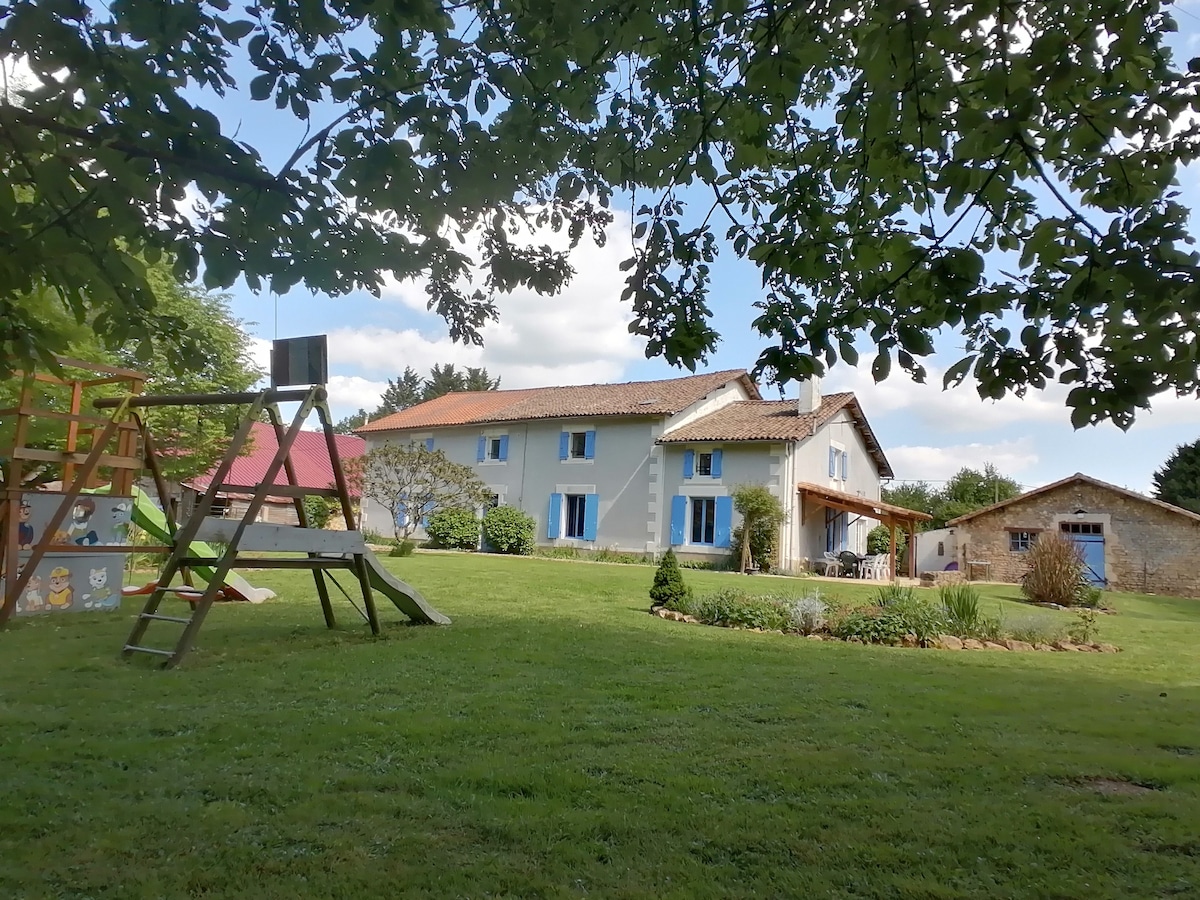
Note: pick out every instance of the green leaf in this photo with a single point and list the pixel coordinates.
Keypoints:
(262, 86)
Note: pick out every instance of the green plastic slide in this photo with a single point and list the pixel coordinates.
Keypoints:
(148, 517)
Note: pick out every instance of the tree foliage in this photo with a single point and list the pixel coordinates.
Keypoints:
(891, 168)
(762, 513)
(413, 483)
(968, 490)
(402, 393)
(509, 530)
(1178, 481)
(191, 439)
(454, 528)
(669, 586)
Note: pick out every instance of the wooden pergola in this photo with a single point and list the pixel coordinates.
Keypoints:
(816, 496)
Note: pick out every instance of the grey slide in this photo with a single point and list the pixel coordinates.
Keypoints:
(406, 597)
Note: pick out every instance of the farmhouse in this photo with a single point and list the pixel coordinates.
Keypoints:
(643, 466)
(1130, 542)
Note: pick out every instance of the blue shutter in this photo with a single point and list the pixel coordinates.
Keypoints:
(553, 526)
(845, 531)
(689, 463)
(564, 444)
(504, 446)
(482, 448)
(716, 464)
(428, 508)
(589, 445)
(591, 515)
(845, 465)
(724, 522)
(678, 518)
(401, 514)
(429, 444)
(833, 457)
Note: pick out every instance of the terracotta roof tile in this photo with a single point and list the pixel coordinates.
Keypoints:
(635, 398)
(777, 420)
(309, 456)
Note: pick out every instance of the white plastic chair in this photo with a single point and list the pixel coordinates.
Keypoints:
(833, 565)
(868, 567)
(882, 568)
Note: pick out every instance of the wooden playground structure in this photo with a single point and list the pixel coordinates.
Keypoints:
(111, 445)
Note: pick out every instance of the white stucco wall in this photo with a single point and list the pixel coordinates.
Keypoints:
(927, 544)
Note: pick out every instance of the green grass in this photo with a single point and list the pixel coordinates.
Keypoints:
(557, 741)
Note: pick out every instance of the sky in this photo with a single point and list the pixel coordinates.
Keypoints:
(580, 336)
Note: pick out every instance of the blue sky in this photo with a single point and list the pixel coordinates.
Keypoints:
(580, 336)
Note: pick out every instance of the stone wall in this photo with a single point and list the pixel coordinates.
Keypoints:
(1147, 548)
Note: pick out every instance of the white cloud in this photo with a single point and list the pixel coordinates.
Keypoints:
(960, 409)
(578, 336)
(348, 394)
(912, 463)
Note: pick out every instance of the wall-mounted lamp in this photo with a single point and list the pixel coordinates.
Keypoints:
(1080, 513)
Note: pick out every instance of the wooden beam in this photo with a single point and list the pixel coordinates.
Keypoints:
(59, 456)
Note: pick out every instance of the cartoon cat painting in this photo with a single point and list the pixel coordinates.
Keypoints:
(81, 523)
(34, 602)
(100, 596)
(61, 595)
(24, 529)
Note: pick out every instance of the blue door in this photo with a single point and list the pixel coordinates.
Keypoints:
(1092, 546)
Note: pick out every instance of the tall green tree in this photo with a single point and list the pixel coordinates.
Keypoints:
(352, 422)
(967, 490)
(475, 379)
(917, 495)
(869, 159)
(442, 380)
(192, 438)
(1178, 481)
(402, 393)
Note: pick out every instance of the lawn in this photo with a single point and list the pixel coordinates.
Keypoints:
(557, 741)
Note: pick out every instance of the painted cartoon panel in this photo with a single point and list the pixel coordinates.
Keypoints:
(69, 579)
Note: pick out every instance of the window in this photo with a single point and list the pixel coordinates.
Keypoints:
(494, 448)
(704, 464)
(941, 549)
(704, 520)
(492, 502)
(1082, 528)
(576, 516)
(578, 444)
(1021, 541)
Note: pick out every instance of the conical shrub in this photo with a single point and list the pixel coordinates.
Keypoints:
(669, 587)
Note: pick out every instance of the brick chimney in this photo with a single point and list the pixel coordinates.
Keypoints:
(810, 395)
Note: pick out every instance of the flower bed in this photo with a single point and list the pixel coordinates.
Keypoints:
(898, 617)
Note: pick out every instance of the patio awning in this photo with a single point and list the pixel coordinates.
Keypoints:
(887, 513)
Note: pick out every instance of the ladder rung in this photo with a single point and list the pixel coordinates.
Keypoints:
(153, 650)
(182, 620)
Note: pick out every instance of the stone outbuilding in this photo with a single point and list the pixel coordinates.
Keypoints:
(1130, 542)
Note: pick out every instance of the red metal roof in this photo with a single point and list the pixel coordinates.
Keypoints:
(309, 456)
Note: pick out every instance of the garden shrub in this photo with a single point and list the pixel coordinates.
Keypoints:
(808, 614)
(961, 605)
(1055, 573)
(317, 510)
(731, 607)
(508, 530)
(669, 588)
(402, 548)
(1083, 629)
(764, 535)
(891, 594)
(890, 624)
(454, 528)
(1036, 630)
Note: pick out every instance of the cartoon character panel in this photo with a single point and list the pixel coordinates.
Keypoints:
(66, 579)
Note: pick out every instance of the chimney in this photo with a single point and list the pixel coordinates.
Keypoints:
(810, 395)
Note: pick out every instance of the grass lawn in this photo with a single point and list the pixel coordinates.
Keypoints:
(557, 741)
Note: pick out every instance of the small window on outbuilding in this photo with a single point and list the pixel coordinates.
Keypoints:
(1082, 528)
(1021, 541)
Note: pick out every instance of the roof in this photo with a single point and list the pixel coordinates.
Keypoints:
(310, 457)
(1077, 478)
(633, 398)
(875, 509)
(777, 420)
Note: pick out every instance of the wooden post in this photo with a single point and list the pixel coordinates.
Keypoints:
(892, 547)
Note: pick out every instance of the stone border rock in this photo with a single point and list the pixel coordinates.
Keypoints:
(941, 642)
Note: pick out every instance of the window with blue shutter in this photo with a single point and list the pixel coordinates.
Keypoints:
(716, 464)
(503, 454)
(553, 529)
(479, 455)
(591, 516)
(724, 522)
(564, 444)
(833, 461)
(845, 465)
(589, 445)
(429, 444)
(689, 463)
(401, 514)
(679, 506)
(426, 511)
